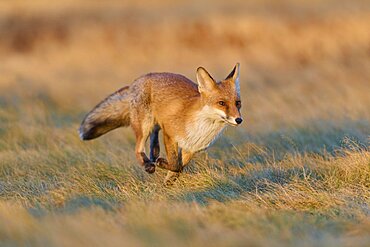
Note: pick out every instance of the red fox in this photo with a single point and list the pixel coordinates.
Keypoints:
(191, 116)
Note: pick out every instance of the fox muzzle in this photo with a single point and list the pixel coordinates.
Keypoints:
(238, 120)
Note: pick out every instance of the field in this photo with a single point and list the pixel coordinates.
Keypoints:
(296, 173)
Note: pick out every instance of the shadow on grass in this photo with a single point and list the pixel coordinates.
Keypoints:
(235, 186)
(318, 136)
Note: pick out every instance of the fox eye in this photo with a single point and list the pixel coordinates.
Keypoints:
(222, 103)
(238, 103)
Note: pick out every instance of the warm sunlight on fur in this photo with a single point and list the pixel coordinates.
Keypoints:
(295, 172)
(195, 116)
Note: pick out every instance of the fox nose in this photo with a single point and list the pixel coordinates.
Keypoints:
(238, 120)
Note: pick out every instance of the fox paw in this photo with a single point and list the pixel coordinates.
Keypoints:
(171, 178)
(161, 162)
(149, 167)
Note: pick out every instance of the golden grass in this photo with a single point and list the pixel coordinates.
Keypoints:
(297, 173)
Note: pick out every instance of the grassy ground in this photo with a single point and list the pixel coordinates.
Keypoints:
(296, 173)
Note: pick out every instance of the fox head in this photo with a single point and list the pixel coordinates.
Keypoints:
(221, 99)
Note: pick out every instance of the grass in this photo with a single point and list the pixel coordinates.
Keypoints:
(296, 173)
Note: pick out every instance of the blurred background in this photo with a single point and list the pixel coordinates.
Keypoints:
(295, 173)
(301, 60)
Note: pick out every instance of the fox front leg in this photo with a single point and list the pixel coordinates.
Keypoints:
(185, 159)
(172, 163)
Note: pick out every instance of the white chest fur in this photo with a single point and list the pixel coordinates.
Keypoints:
(202, 130)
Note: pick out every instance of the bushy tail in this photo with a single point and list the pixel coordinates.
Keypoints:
(113, 112)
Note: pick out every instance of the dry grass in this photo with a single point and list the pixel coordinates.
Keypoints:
(297, 173)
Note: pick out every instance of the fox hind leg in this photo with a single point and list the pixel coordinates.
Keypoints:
(154, 144)
(142, 135)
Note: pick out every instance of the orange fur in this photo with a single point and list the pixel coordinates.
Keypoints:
(191, 116)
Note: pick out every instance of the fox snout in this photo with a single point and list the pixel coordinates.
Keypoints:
(233, 116)
(234, 121)
(239, 120)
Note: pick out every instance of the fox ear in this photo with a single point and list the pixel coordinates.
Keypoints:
(205, 81)
(234, 75)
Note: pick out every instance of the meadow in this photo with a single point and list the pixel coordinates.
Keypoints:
(295, 173)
